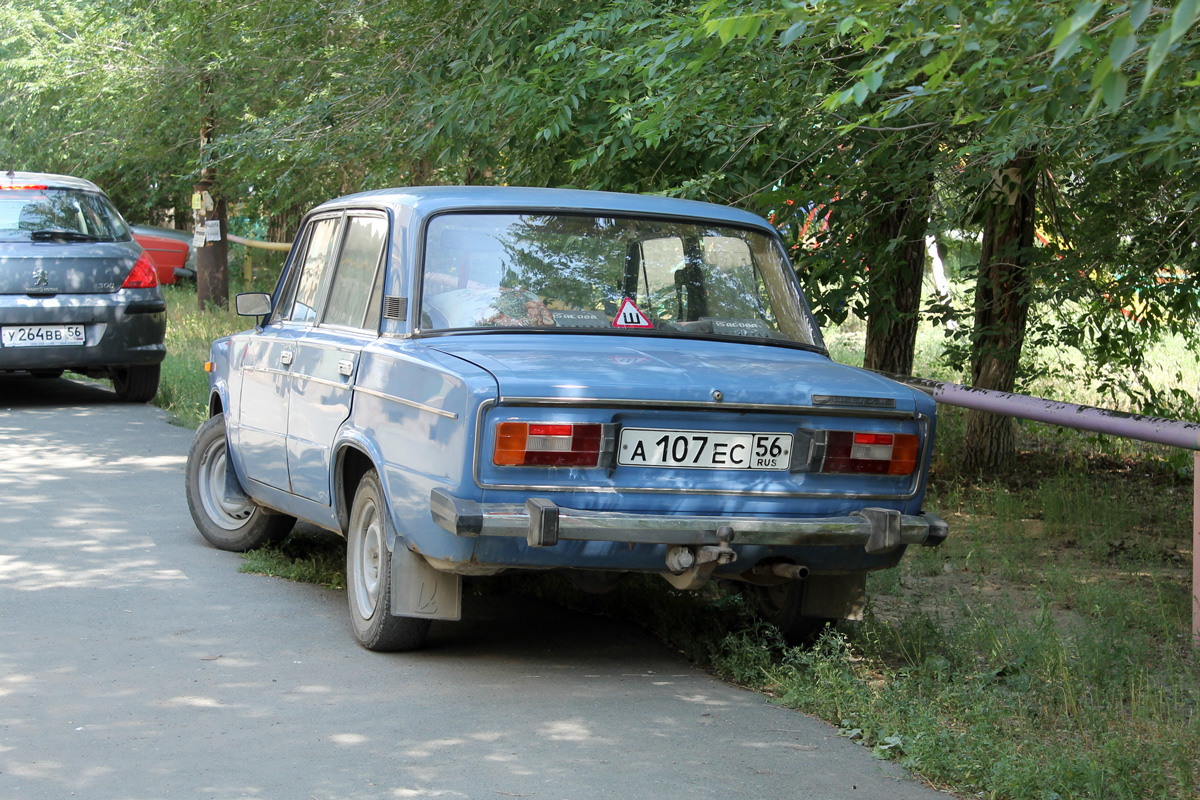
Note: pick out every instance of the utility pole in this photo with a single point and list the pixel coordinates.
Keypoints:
(211, 216)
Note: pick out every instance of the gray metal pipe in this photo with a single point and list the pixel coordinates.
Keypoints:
(1173, 432)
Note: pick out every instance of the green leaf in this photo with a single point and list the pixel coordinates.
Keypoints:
(1103, 70)
(1066, 47)
(1140, 12)
(1114, 88)
(793, 33)
(1123, 44)
(1158, 53)
(1183, 19)
(860, 91)
(1076, 22)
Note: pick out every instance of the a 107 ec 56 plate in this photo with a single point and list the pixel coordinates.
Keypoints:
(649, 447)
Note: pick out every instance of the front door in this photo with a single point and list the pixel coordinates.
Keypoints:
(322, 377)
(271, 359)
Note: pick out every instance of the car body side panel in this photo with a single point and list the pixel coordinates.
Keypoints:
(322, 381)
(418, 405)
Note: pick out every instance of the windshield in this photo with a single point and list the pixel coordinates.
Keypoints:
(613, 274)
(58, 214)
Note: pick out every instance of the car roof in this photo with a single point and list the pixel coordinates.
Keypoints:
(14, 178)
(427, 200)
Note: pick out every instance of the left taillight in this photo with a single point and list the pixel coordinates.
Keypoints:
(548, 444)
(143, 275)
(870, 453)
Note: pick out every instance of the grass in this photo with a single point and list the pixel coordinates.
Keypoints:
(1042, 652)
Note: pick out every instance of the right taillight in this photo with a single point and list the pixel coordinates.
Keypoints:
(143, 275)
(870, 453)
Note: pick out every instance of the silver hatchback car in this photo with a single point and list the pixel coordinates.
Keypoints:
(76, 291)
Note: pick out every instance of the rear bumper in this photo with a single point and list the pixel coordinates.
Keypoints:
(125, 328)
(543, 524)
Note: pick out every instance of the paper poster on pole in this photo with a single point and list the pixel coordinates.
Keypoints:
(198, 236)
(212, 230)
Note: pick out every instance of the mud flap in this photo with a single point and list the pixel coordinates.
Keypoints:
(419, 590)
(835, 596)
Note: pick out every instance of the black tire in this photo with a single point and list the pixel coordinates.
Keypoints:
(136, 384)
(782, 606)
(237, 524)
(46, 374)
(369, 576)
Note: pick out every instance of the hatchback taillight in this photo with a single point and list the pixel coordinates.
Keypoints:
(547, 444)
(143, 275)
(870, 453)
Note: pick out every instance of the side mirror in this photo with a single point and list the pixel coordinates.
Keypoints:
(253, 304)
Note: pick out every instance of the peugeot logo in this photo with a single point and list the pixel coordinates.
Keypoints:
(41, 278)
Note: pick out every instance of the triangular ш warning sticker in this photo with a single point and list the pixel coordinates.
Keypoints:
(630, 316)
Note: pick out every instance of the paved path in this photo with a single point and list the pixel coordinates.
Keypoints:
(137, 663)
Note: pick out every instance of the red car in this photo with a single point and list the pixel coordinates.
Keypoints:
(171, 251)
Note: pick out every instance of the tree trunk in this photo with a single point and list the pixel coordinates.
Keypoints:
(212, 260)
(1001, 309)
(894, 283)
(212, 263)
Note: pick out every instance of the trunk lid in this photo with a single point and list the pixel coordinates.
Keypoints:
(670, 370)
(48, 268)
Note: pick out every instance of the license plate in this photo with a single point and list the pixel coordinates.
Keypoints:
(646, 447)
(41, 335)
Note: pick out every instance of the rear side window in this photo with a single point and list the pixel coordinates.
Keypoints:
(32, 214)
(353, 301)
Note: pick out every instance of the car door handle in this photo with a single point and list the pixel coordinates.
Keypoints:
(346, 367)
(285, 358)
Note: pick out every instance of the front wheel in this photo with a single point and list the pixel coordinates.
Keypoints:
(369, 576)
(782, 605)
(136, 384)
(224, 515)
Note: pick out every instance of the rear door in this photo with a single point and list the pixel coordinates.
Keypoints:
(271, 356)
(327, 355)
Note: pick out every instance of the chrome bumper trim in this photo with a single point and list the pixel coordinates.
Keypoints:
(542, 523)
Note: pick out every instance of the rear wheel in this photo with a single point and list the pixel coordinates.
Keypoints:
(136, 384)
(782, 606)
(369, 576)
(224, 515)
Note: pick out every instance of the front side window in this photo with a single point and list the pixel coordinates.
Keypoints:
(58, 214)
(613, 274)
(321, 237)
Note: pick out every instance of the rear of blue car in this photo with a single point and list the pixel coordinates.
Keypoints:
(527, 379)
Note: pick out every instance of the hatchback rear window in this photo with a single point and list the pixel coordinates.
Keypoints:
(58, 215)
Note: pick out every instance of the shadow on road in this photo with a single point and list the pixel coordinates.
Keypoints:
(21, 390)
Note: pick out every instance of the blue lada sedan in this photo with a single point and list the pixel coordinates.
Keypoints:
(471, 380)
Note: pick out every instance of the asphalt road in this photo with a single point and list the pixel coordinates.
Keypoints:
(137, 663)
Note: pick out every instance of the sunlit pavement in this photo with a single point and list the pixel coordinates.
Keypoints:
(136, 662)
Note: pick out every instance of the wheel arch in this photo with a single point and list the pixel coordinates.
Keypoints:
(352, 460)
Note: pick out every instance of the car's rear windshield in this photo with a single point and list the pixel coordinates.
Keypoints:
(613, 274)
(58, 215)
